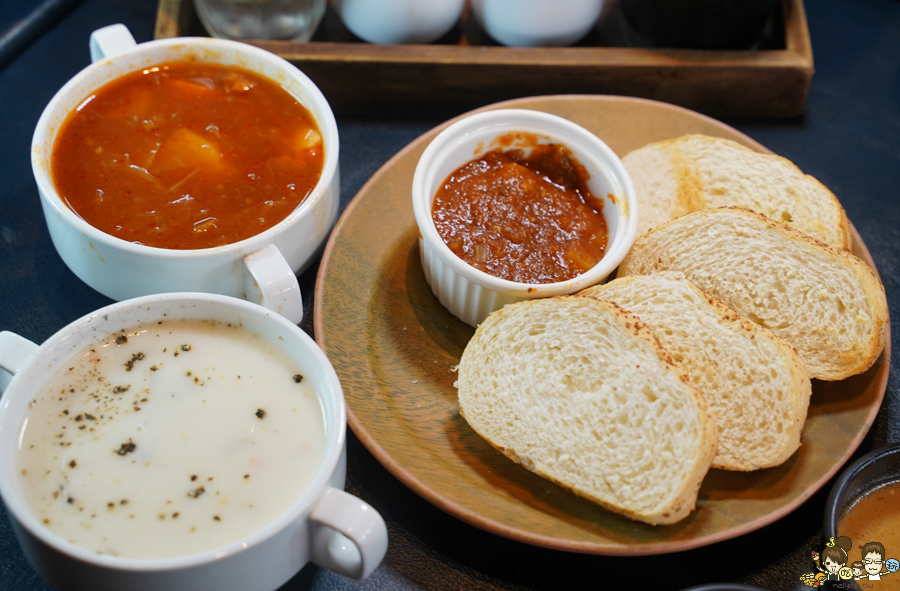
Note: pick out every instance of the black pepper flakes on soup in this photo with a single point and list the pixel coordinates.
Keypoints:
(126, 448)
(129, 365)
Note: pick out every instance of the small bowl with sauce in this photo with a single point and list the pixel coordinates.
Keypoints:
(864, 506)
(514, 204)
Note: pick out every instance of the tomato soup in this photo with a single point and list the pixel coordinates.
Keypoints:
(528, 218)
(187, 155)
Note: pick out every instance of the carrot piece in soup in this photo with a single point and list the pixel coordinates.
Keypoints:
(188, 89)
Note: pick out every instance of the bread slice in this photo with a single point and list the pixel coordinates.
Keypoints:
(825, 302)
(691, 172)
(754, 382)
(580, 392)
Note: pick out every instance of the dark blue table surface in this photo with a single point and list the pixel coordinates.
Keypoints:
(849, 138)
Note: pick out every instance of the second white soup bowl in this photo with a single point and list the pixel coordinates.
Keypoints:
(324, 525)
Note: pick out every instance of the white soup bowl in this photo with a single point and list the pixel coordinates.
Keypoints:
(325, 525)
(261, 268)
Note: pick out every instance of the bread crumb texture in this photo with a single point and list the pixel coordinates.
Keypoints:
(827, 303)
(579, 391)
(692, 172)
(755, 383)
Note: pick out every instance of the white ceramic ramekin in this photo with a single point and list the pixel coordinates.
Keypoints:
(471, 294)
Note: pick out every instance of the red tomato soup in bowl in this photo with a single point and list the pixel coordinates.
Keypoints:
(189, 164)
(187, 155)
(525, 217)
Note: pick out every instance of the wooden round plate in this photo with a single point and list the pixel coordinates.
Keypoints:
(395, 349)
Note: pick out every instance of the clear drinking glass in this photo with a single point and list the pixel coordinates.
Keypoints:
(286, 20)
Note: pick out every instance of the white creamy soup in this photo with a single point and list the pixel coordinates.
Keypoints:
(170, 439)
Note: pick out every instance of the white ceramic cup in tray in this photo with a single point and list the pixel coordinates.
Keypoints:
(537, 23)
(399, 21)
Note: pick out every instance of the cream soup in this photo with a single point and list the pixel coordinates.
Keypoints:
(170, 439)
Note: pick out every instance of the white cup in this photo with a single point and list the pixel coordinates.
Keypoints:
(399, 21)
(326, 525)
(533, 23)
(261, 268)
(471, 294)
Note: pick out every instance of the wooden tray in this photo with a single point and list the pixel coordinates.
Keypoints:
(465, 69)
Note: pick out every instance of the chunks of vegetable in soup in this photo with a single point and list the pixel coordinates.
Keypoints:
(187, 155)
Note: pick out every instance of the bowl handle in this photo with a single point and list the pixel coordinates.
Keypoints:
(14, 352)
(348, 535)
(110, 41)
(272, 283)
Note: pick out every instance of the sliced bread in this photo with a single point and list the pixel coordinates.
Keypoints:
(580, 392)
(827, 303)
(754, 382)
(677, 176)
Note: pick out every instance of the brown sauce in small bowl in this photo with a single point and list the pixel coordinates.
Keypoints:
(528, 218)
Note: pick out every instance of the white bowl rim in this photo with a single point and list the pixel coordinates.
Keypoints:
(616, 249)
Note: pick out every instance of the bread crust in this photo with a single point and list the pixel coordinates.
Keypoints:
(471, 385)
(679, 244)
(679, 175)
(743, 445)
